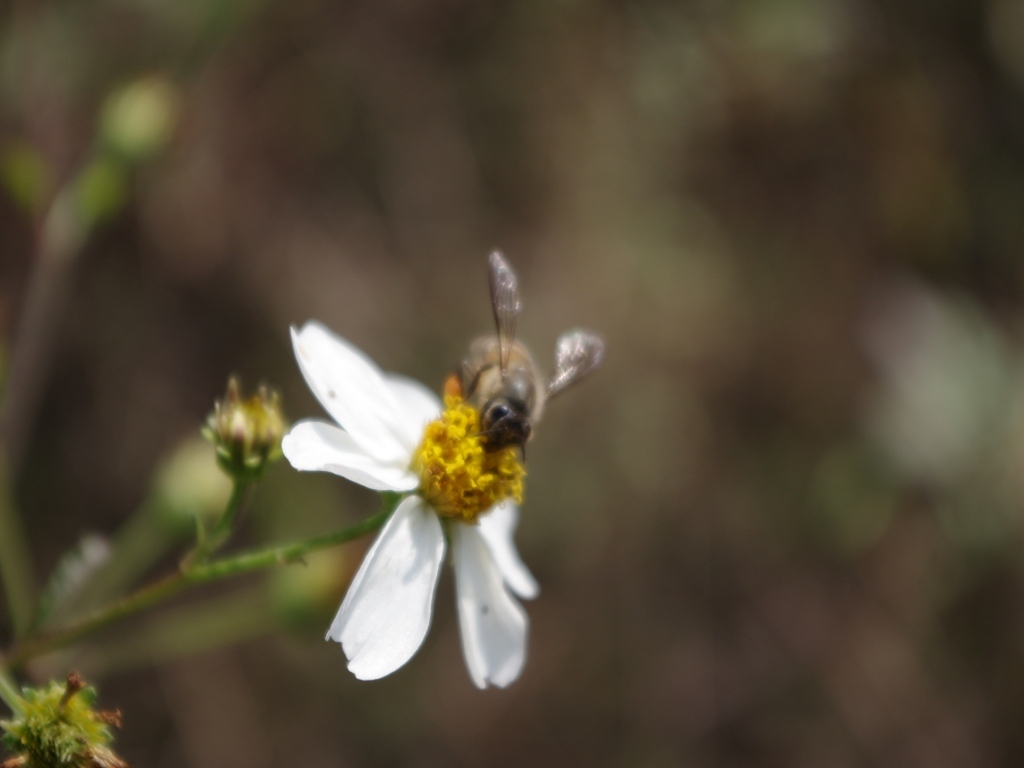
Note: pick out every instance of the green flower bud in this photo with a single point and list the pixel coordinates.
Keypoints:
(58, 728)
(189, 485)
(246, 433)
(137, 120)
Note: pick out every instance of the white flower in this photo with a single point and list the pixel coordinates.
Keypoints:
(386, 613)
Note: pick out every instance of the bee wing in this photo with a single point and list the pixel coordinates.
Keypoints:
(506, 304)
(577, 355)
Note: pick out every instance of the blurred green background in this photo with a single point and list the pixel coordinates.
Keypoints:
(782, 526)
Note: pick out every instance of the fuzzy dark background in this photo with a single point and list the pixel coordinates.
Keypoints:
(783, 525)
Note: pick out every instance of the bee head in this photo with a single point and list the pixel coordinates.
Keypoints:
(504, 424)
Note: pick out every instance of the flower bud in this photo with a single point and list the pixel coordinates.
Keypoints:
(59, 727)
(137, 120)
(246, 433)
(189, 485)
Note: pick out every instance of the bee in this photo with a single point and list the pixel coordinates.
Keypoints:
(499, 377)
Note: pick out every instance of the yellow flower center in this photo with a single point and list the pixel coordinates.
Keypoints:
(457, 476)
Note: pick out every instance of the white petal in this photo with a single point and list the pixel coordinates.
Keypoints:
(352, 389)
(386, 613)
(497, 526)
(491, 623)
(420, 406)
(316, 446)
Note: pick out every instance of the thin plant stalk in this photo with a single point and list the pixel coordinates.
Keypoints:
(224, 620)
(170, 586)
(210, 543)
(144, 539)
(58, 243)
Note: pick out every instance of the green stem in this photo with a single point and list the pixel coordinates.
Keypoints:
(227, 518)
(15, 560)
(224, 620)
(192, 576)
(9, 692)
(143, 539)
(210, 543)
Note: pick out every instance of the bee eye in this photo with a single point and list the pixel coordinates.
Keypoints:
(499, 412)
